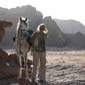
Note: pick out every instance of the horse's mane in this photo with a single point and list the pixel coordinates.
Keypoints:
(18, 25)
(22, 19)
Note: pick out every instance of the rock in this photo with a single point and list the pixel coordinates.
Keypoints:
(9, 65)
(13, 60)
(3, 57)
(3, 25)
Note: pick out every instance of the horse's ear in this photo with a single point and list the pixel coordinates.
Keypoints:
(20, 19)
(26, 19)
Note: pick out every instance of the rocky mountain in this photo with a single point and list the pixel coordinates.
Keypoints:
(61, 32)
(13, 15)
(55, 35)
(74, 33)
(35, 17)
(70, 26)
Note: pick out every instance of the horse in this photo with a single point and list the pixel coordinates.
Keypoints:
(23, 44)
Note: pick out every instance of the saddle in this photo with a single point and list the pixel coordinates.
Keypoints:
(27, 35)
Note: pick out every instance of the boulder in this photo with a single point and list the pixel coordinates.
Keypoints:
(3, 57)
(3, 25)
(9, 65)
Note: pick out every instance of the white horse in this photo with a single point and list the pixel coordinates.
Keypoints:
(23, 44)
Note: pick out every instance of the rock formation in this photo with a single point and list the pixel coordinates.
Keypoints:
(9, 65)
(4, 24)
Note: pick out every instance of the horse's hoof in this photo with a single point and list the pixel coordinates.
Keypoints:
(19, 77)
(27, 78)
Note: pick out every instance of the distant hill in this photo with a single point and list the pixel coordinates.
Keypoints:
(55, 36)
(70, 26)
(13, 15)
(61, 33)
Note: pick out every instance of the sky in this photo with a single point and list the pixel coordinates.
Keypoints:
(59, 9)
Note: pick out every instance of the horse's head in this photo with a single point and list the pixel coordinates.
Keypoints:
(22, 31)
(24, 23)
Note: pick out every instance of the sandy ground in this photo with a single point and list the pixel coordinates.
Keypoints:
(64, 67)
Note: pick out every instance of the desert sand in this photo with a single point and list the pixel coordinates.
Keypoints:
(63, 67)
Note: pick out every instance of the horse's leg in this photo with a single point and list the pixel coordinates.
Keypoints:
(26, 68)
(24, 61)
(20, 69)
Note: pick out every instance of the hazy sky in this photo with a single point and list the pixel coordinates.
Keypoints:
(59, 9)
